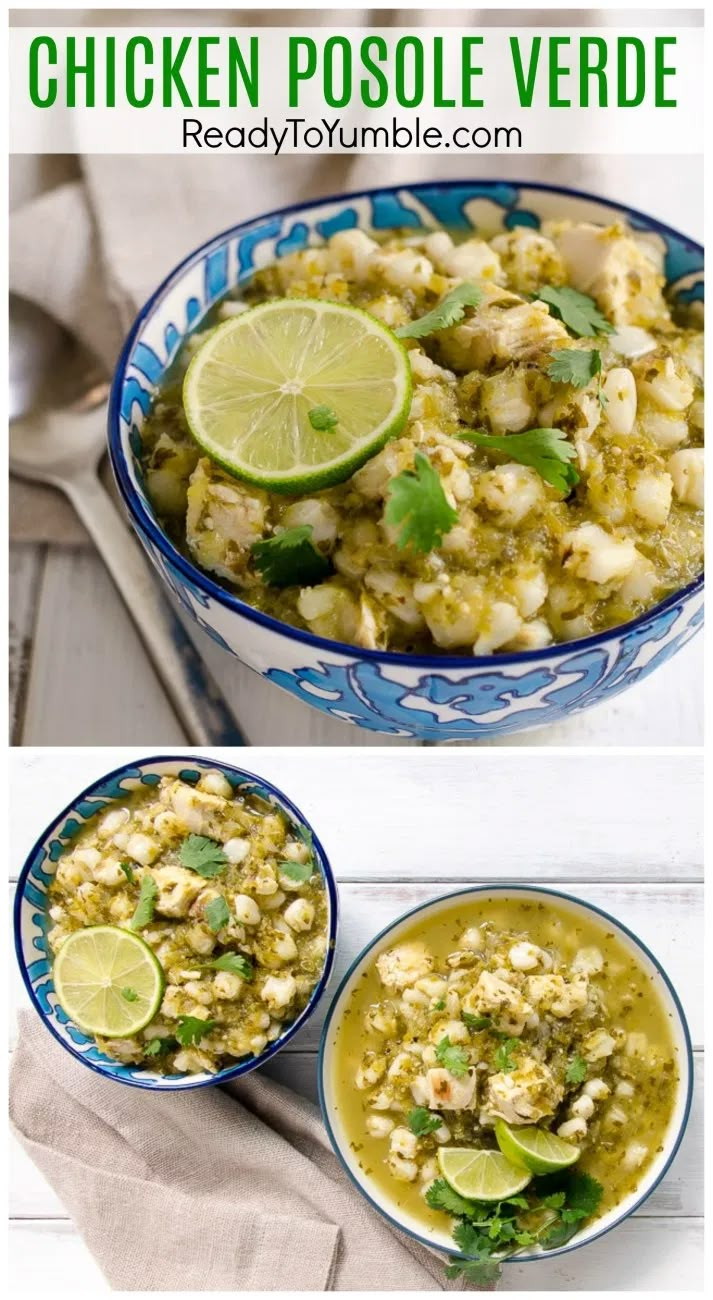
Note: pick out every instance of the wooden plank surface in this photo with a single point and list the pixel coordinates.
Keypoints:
(90, 682)
(642, 1255)
(445, 814)
(619, 830)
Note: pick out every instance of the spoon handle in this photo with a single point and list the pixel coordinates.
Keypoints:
(198, 704)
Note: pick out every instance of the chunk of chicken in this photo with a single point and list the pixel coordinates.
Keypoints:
(523, 1095)
(223, 519)
(563, 998)
(177, 890)
(621, 272)
(495, 997)
(501, 333)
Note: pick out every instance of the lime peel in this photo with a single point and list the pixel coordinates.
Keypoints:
(249, 390)
(91, 971)
(535, 1149)
(481, 1175)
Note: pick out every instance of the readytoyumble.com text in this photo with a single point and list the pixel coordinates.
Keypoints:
(297, 134)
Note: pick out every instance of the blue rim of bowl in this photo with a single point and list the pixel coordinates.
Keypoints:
(531, 889)
(201, 762)
(143, 522)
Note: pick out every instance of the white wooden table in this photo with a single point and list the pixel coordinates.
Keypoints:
(80, 676)
(619, 830)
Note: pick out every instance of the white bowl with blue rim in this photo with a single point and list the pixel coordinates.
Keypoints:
(32, 902)
(435, 698)
(439, 1238)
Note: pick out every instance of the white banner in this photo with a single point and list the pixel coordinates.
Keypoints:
(277, 90)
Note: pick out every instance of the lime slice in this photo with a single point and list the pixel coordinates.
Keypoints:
(108, 981)
(535, 1149)
(251, 386)
(481, 1175)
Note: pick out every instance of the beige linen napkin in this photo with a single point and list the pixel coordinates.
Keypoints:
(217, 1189)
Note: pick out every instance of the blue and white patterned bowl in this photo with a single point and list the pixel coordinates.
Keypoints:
(439, 1238)
(32, 922)
(432, 698)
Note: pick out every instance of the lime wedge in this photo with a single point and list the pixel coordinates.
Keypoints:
(108, 981)
(535, 1149)
(481, 1175)
(251, 387)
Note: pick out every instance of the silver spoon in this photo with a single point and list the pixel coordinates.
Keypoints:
(58, 435)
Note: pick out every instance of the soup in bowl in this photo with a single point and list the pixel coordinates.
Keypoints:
(505, 1073)
(440, 482)
(175, 926)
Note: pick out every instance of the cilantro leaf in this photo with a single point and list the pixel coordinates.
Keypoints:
(448, 312)
(440, 1005)
(576, 310)
(203, 856)
(322, 418)
(236, 963)
(482, 1272)
(148, 894)
(190, 1030)
(297, 871)
(440, 1196)
(422, 1121)
(159, 1046)
(503, 1055)
(130, 995)
(546, 450)
(575, 366)
(468, 1238)
(454, 1059)
(417, 502)
(290, 558)
(583, 1194)
(217, 914)
(128, 871)
(579, 1201)
(474, 1023)
(577, 1070)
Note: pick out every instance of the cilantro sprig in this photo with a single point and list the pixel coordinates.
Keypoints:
(290, 558)
(449, 312)
(576, 310)
(323, 418)
(418, 507)
(217, 914)
(422, 1121)
(475, 1023)
(204, 856)
(235, 962)
(190, 1030)
(577, 1070)
(453, 1059)
(148, 893)
(546, 450)
(576, 366)
(298, 872)
(160, 1046)
(504, 1055)
(488, 1233)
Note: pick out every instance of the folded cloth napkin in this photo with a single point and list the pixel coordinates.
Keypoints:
(215, 1189)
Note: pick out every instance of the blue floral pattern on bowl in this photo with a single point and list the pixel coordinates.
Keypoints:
(32, 921)
(436, 698)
